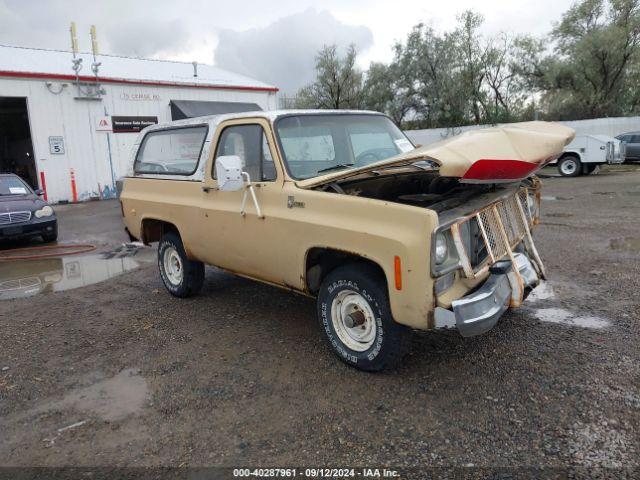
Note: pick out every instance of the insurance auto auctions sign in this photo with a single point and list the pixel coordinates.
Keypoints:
(131, 124)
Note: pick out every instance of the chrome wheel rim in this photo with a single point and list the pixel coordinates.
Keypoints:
(173, 266)
(568, 167)
(353, 320)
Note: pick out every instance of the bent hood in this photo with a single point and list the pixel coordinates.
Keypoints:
(507, 153)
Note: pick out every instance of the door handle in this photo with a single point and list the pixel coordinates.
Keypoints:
(206, 189)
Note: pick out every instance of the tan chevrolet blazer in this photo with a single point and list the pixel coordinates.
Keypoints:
(340, 205)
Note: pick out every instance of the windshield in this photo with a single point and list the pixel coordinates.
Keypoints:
(13, 186)
(314, 145)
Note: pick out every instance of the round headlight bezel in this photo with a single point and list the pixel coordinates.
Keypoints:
(441, 249)
(45, 211)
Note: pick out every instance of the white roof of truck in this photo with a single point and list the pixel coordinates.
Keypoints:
(22, 62)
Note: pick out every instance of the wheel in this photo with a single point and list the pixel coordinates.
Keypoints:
(354, 314)
(569, 166)
(181, 276)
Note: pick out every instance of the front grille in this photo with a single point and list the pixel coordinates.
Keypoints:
(491, 233)
(478, 252)
(14, 217)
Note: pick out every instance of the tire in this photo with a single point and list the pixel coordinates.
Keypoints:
(181, 277)
(570, 166)
(379, 342)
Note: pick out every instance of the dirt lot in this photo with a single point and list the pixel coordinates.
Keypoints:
(121, 373)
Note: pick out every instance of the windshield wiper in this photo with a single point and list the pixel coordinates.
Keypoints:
(340, 165)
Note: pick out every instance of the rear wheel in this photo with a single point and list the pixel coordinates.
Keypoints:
(181, 276)
(355, 317)
(569, 166)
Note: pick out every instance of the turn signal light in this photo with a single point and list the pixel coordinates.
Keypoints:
(398, 272)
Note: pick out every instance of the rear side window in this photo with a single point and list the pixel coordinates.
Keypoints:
(634, 139)
(172, 151)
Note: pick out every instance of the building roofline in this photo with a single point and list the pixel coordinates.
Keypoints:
(38, 70)
(156, 83)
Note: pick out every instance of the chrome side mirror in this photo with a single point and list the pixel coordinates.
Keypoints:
(229, 173)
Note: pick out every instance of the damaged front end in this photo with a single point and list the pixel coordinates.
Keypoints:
(493, 243)
(482, 186)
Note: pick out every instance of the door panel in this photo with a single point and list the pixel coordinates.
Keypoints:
(633, 147)
(245, 244)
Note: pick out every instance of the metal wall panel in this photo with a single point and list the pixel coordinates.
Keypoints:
(598, 126)
(86, 149)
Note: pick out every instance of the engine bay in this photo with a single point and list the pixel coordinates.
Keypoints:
(421, 189)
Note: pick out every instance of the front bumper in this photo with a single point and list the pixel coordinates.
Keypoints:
(44, 226)
(478, 312)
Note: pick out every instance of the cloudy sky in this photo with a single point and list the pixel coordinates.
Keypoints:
(272, 41)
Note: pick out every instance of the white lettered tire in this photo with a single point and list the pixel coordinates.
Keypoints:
(355, 317)
(181, 276)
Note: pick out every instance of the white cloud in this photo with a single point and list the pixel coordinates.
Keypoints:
(283, 53)
(274, 41)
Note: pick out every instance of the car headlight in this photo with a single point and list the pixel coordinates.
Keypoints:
(533, 205)
(442, 248)
(45, 211)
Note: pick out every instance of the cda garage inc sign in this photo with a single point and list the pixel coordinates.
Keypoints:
(124, 124)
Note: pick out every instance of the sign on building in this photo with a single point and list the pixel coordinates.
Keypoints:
(56, 145)
(103, 124)
(131, 124)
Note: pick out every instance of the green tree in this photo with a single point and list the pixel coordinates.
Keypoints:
(338, 83)
(386, 90)
(594, 71)
(459, 77)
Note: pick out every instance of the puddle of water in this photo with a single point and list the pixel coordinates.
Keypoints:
(566, 317)
(553, 198)
(26, 278)
(111, 399)
(544, 291)
(628, 243)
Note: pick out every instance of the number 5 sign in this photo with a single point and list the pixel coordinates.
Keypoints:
(56, 145)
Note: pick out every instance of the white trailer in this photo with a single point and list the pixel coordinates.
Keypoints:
(586, 152)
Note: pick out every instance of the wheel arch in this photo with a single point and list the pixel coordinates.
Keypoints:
(320, 261)
(570, 153)
(152, 229)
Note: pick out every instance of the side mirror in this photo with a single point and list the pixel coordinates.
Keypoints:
(39, 192)
(229, 173)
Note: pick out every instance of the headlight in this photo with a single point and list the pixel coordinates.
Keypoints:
(442, 248)
(533, 205)
(45, 211)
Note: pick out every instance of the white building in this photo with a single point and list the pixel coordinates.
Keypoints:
(72, 135)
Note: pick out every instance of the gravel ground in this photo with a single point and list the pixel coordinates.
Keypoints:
(120, 373)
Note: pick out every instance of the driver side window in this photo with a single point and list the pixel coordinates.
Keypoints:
(249, 142)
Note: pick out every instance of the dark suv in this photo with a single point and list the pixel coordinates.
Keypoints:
(632, 141)
(23, 213)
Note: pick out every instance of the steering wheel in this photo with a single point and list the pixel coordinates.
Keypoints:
(367, 157)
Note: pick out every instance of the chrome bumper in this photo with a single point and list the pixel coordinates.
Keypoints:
(479, 312)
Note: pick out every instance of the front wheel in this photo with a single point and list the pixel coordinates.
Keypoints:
(354, 314)
(569, 166)
(181, 276)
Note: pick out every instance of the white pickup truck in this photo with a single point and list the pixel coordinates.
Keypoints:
(586, 152)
